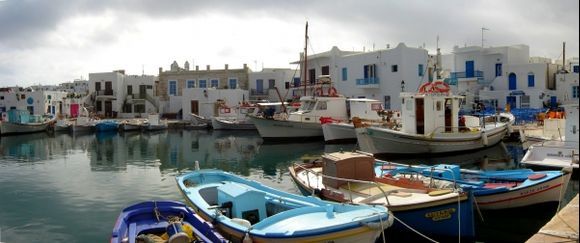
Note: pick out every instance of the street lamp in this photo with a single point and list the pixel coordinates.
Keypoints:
(402, 85)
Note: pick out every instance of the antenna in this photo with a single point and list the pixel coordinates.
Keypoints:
(482, 29)
(142, 69)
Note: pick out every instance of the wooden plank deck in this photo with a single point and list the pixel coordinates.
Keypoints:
(563, 227)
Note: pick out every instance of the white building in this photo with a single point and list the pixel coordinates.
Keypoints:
(567, 83)
(204, 101)
(502, 75)
(381, 74)
(263, 84)
(36, 102)
(77, 86)
(114, 94)
(140, 97)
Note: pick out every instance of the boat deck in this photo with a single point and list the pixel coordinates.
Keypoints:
(563, 227)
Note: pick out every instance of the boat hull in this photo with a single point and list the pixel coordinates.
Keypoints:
(284, 129)
(548, 191)
(338, 132)
(385, 141)
(225, 124)
(447, 218)
(142, 217)
(552, 154)
(7, 128)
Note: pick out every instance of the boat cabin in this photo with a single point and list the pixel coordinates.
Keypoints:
(425, 113)
(366, 109)
(347, 165)
(314, 107)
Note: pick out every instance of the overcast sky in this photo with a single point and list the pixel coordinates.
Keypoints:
(55, 41)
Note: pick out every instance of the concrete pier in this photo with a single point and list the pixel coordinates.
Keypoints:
(563, 227)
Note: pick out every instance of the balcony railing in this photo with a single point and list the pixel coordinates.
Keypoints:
(457, 75)
(258, 92)
(105, 92)
(368, 82)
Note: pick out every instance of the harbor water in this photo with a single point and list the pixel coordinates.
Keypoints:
(65, 188)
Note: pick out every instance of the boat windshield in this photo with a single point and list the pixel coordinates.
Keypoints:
(307, 105)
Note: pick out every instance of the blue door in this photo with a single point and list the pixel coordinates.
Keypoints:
(469, 69)
(498, 69)
(511, 100)
(553, 102)
(513, 84)
(259, 86)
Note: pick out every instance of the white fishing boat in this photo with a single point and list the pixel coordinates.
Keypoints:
(131, 125)
(236, 118)
(83, 123)
(62, 125)
(201, 120)
(552, 125)
(557, 153)
(154, 123)
(20, 121)
(369, 110)
(304, 123)
(430, 123)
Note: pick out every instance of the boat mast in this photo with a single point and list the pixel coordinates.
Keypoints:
(305, 56)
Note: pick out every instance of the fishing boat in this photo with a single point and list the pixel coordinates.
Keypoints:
(246, 210)
(236, 118)
(350, 177)
(369, 110)
(106, 126)
(304, 123)
(154, 123)
(131, 125)
(62, 125)
(83, 123)
(165, 221)
(430, 124)
(557, 154)
(200, 120)
(492, 189)
(20, 121)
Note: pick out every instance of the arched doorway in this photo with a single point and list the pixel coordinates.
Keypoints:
(512, 81)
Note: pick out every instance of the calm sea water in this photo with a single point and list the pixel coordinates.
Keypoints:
(63, 188)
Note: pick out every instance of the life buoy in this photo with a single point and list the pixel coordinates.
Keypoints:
(226, 110)
(441, 87)
(332, 92)
(426, 87)
(318, 92)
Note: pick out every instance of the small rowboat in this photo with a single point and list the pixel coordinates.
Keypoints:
(155, 218)
(246, 210)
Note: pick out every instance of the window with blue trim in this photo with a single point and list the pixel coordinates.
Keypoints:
(190, 83)
(172, 87)
(420, 70)
(202, 83)
(531, 80)
(575, 68)
(215, 83)
(344, 74)
(296, 82)
(233, 83)
(575, 92)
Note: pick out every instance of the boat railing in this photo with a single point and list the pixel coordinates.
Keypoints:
(348, 181)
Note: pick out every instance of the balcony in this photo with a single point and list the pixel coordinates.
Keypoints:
(368, 83)
(107, 94)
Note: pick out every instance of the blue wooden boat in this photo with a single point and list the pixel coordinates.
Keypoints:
(158, 218)
(492, 189)
(107, 126)
(247, 210)
(444, 214)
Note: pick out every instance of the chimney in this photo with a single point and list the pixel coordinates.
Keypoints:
(207, 67)
(226, 67)
(160, 70)
(245, 66)
(196, 68)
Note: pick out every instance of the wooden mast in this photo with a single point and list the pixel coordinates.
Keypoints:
(305, 57)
